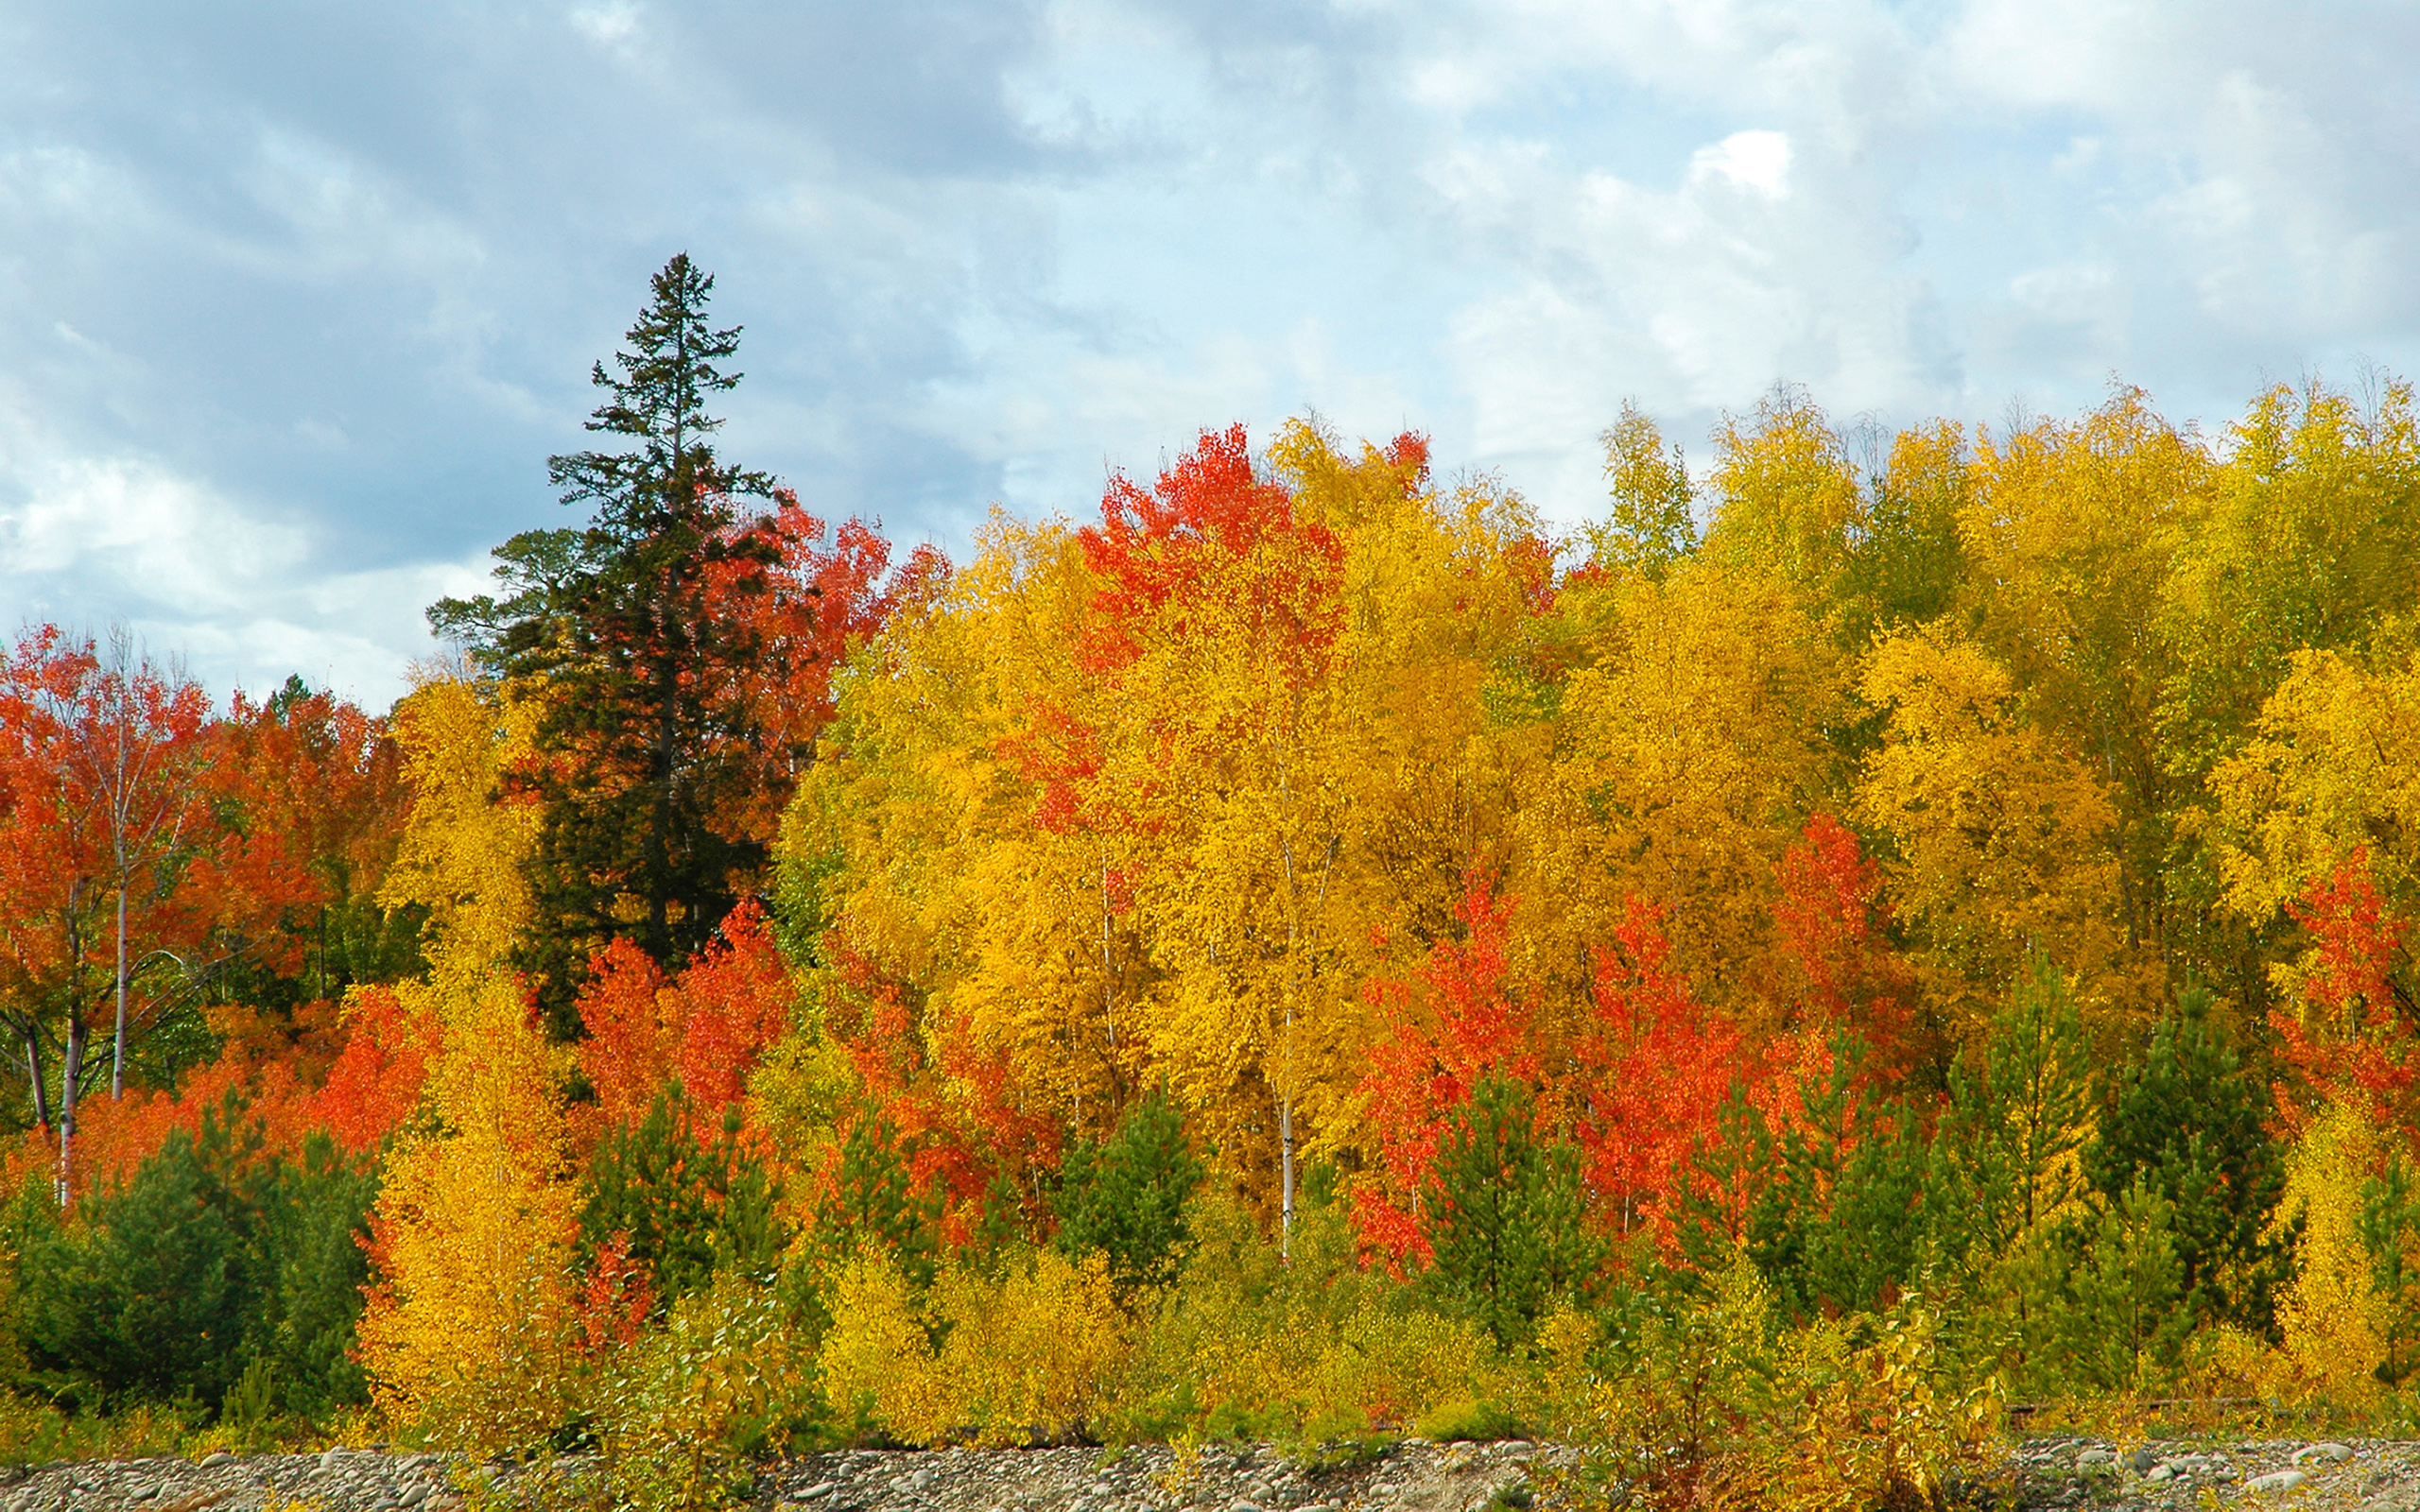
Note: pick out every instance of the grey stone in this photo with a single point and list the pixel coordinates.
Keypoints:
(2139, 1461)
(2333, 1453)
(2276, 1483)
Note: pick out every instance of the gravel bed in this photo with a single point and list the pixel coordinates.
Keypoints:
(2053, 1474)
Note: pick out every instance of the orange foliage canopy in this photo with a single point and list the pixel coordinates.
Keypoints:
(368, 1088)
(1639, 1086)
(1653, 1069)
(1839, 969)
(705, 1028)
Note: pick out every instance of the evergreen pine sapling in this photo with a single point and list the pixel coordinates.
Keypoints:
(1126, 1197)
(2190, 1122)
(1506, 1222)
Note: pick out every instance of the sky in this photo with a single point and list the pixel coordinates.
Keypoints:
(297, 298)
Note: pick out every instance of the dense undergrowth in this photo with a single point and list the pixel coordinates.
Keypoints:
(1830, 1360)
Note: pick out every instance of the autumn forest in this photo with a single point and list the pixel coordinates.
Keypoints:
(1876, 933)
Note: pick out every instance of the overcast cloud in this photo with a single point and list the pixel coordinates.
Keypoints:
(296, 299)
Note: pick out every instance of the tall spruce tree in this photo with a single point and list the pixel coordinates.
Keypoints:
(623, 629)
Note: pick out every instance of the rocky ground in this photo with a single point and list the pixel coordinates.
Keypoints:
(1413, 1476)
(2352, 1475)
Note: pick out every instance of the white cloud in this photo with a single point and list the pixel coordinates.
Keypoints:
(261, 342)
(1753, 160)
(612, 26)
(242, 596)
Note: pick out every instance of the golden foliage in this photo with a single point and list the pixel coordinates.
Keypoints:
(2336, 1326)
(2002, 837)
(465, 1335)
(2334, 765)
(1027, 1353)
(463, 850)
(1690, 754)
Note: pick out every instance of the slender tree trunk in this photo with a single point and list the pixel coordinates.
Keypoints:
(117, 1044)
(34, 1077)
(1285, 1178)
(71, 1072)
(121, 821)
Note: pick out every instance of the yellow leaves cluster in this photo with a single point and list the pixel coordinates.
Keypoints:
(466, 1332)
(1034, 1348)
(1186, 864)
(1692, 752)
(2336, 1324)
(1790, 505)
(2002, 840)
(2334, 765)
(463, 850)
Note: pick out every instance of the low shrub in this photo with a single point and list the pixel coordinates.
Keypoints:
(725, 1381)
(1027, 1352)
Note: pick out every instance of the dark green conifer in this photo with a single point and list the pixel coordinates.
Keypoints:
(2191, 1124)
(1125, 1196)
(640, 666)
(1507, 1227)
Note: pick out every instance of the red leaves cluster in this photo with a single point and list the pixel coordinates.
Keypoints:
(374, 1083)
(1210, 545)
(1441, 1045)
(823, 593)
(1654, 1068)
(2359, 1047)
(617, 1298)
(705, 1028)
(369, 1089)
(1638, 1085)
(90, 753)
(1839, 969)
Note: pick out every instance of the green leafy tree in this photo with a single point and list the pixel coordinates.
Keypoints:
(1126, 1195)
(308, 1219)
(628, 632)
